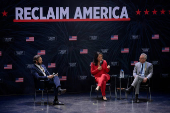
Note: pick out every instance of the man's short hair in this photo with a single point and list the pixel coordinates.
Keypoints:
(36, 57)
(145, 56)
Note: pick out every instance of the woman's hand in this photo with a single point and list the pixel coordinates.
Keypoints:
(100, 68)
(108, 67)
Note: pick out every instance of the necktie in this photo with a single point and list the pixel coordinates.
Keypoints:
(141, 69)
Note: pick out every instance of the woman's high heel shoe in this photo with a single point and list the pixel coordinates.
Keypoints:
(96, 90)
(105, 99)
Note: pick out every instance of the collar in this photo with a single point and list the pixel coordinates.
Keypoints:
(143, 63)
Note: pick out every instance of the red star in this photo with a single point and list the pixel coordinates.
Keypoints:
(162, 11)
(146, 12)
(154, 12)
(4, 13)
(138, 12)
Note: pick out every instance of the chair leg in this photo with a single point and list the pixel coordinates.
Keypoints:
(42, 95)
(110, 91)
(115, 89)
(125, 95)
(34, 95)
(147, 94)
(47, 97)
(150, 93)
(132, 94)
(90, 91)
(42, 99)
(97, 95)
(115, 93)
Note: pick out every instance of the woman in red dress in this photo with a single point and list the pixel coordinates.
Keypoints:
(100, 69)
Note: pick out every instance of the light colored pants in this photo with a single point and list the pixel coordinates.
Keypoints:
(136, 83)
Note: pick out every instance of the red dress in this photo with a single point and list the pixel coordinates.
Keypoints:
(101, 76)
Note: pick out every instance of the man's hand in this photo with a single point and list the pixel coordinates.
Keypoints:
(108, 67)
(55, 74)
(145, 80)
(136, 76)
(50, 76)
(100, 68)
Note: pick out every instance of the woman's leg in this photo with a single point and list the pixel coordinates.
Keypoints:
(102, 79)
(103, 88)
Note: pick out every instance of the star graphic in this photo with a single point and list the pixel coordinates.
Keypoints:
(154, 12)
(146, 12)
(138, 12)
(162, 11)
(4, 13)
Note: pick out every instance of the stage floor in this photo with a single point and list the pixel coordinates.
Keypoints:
(81, 103)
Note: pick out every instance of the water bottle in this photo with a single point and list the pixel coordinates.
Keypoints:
(121, 73)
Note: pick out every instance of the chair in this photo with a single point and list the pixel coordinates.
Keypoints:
(40, 86)
(95, 85)
(145, 86)
(43, 85)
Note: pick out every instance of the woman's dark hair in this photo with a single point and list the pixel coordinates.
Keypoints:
(95, 61)
(36, 57)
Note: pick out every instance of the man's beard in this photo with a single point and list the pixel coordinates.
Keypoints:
(39, 63)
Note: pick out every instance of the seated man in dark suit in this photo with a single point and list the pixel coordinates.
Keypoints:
(40, 72)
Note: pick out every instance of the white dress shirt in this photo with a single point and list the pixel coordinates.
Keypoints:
(41, 68)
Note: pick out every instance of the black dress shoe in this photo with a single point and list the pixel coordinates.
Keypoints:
(128, 90)
(57, 103)
(61, 91)
(136, 100)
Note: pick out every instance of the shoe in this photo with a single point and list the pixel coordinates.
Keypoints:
(61, 91)
(96, 90)
(136, 100)
(128, 90)
(57, 103)
(104, 99)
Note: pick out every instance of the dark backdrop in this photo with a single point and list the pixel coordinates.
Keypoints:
(135, 34)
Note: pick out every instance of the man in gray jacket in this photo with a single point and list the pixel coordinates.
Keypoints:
(142, 72)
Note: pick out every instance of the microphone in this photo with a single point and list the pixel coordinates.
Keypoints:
(55, 74)
(101, 62)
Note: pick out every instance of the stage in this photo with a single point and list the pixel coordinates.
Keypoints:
(74, 44)
(81, 103)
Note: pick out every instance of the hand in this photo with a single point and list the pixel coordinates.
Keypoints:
(145, 80)
(108, 67)
(136, 76)
(100, 68)
(50, 76)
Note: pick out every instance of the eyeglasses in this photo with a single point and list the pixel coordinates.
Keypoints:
(141, 58)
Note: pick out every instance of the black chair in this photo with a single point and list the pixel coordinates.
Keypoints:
(95, 85)
(40, 85)
(146, 87)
